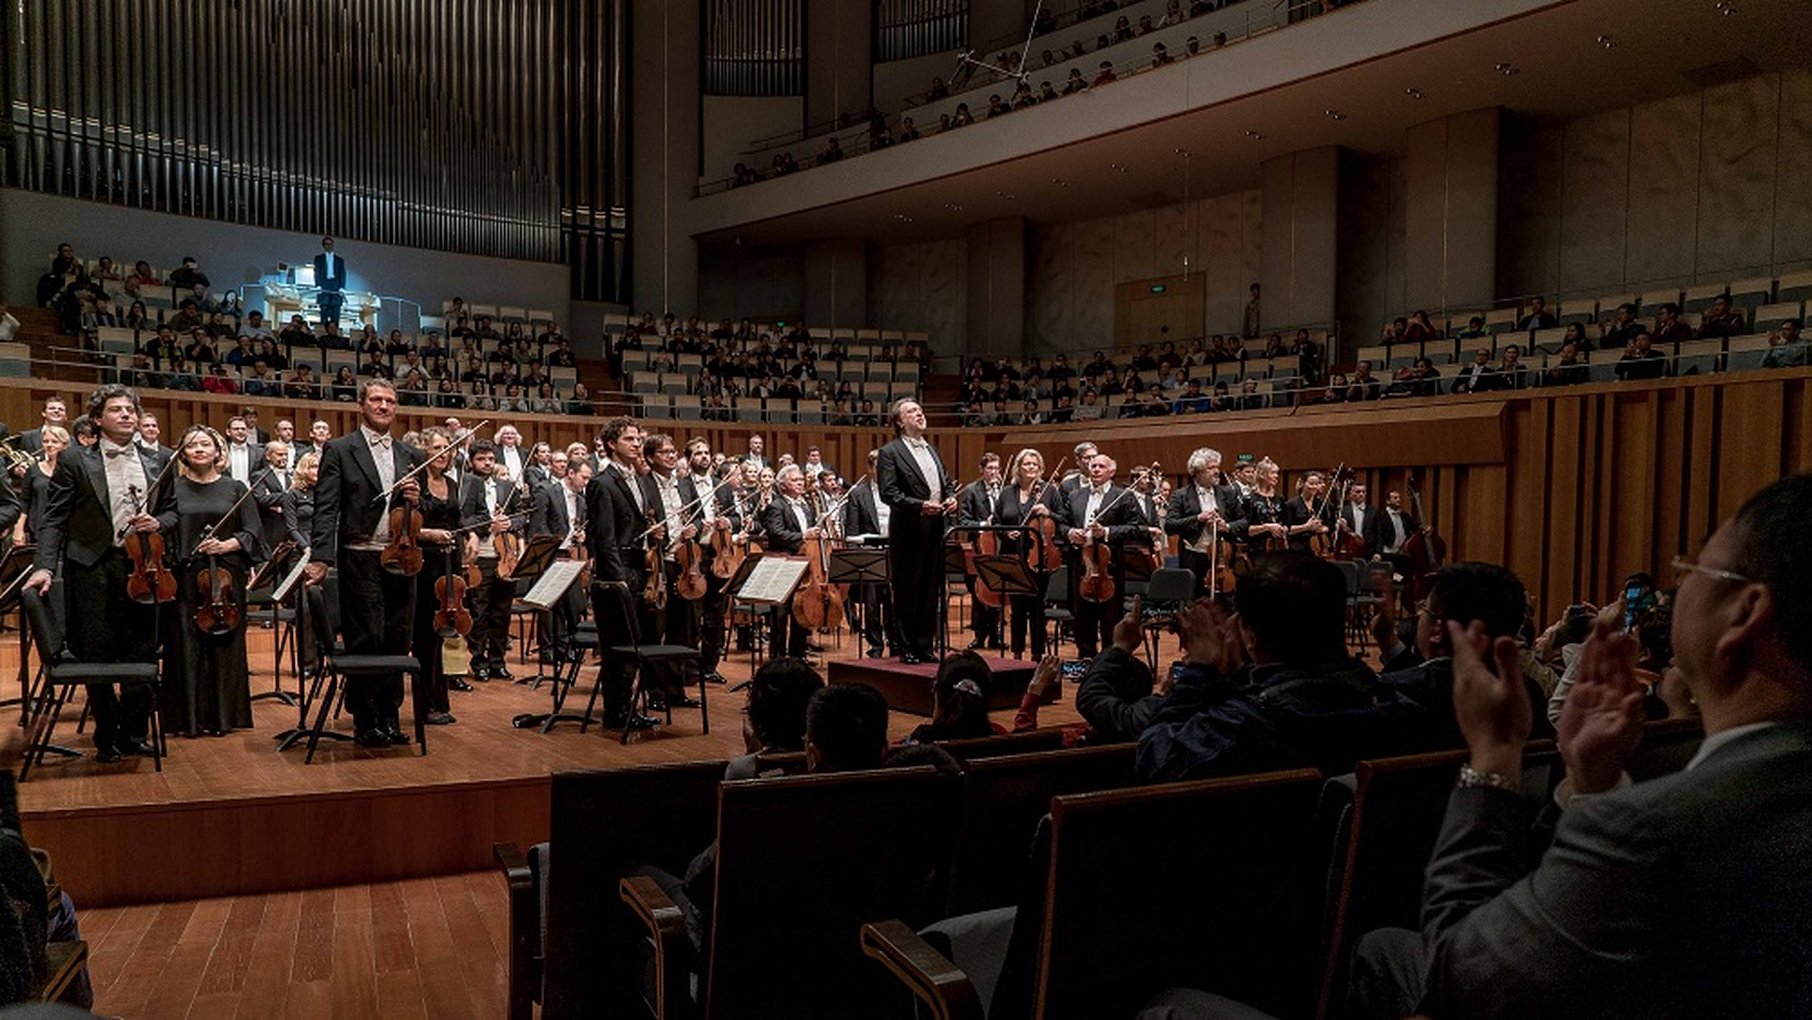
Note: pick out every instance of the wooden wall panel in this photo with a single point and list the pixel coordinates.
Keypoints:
(1572, 489)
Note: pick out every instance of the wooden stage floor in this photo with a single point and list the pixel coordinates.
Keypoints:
(231, 816)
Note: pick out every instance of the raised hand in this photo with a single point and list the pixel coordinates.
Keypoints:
(1601, 720)
(1489, 702)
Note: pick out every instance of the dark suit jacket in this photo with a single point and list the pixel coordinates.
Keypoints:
(1119, 513)
(267, 491)
(335, 282)
(782, 528)
(1368, 519)
(472, 508)
(549, 514)
(32, 440)
(975, 507)
(904, 488)
(862, 515)
(612, 524)
(347, 508)
(78, 513)
(1379, 536)
(1180, 518)
(1682, 896)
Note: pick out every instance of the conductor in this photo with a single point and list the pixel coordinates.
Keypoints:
(919, 497)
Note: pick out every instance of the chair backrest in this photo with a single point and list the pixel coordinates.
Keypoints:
(1667, 745)
(1003, 799)
(605, 822)
(802, 863)
(626, 606)
(322, 615)
(45, 615)
(1170, 584)
(1057, 586)
(1233, 915)
(996, 745)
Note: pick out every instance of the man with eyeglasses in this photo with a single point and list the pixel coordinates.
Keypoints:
(1680, 896)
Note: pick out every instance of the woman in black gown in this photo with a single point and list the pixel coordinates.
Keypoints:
(1026, 496)
(35, 485)
(439, 507)
(207, 690)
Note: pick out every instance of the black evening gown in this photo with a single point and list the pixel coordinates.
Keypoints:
(443, 514)
(206, 681)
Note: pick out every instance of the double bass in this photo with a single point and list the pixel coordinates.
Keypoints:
(818, 604)
(1426, 549)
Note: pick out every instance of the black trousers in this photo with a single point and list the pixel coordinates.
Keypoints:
(615, 629)
(1028, 619)
(1198, 564)
(331, 302)
(880, 625)
(915, 565)
(104, 625)
(428, 643)
(711, 612)
(376, 618)
(785, 635)
(490, 616)
(984, 620)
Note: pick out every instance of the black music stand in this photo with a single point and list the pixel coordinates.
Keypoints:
(536, 557)
(758, 636)
(733, 589)
(270, 574)
(856, 565)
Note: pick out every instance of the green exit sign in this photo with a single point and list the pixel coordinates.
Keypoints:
(1159, 288)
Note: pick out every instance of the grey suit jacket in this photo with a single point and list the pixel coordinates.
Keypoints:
(1684, 896)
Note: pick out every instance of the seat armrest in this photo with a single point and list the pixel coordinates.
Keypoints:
(525, 930)
(937, 982)
(666, 926)
(63, 962)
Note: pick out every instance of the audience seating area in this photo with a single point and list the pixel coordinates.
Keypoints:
(1267, 882)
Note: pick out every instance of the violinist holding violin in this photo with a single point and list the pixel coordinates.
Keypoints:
(1028, 499)
(789, 520)
(674, 494)
(206, 685)
(351, 528)
(487, 499)
(1205, 511)
(719, 522)
(560, 510)
(442, 559)
(1098, 514)
(1309, 514)
(89, 512)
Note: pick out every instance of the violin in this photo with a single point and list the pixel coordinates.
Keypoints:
(987, 543)
(1323, 543)
(1222, 577)
(1097, 583)
(654, 592)
(450, 616)
(402, 555)
(150, 581)
(1349, 545)
(690, 555)
(508, 544)
(729, 547)
(217, 610)
(1043, 554)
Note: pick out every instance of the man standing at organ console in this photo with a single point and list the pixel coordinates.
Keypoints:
(330, 277)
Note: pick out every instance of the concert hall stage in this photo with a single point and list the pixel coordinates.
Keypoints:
(229, 815)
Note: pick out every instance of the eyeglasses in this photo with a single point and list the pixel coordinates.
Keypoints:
(1683, 566)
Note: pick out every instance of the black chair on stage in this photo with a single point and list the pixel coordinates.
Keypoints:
(1057, 604)
(1170, 589)
(579, 646)
(334, 665)
(58, 672)
(641, 659)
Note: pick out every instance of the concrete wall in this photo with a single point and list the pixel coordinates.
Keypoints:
(32, 225)
(730, 123)
(1700, 187)
(921, 286)
(664, 142)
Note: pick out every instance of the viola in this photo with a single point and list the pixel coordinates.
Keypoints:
(729, 547)
(1222, 557)
(217, 610)
(508, 544)
(150, 581)
(403, 553)
(450, 616)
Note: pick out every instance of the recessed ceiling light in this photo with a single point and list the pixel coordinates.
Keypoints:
(1060, 182)
(1725, 8)
(1507, 69)
(1255, 136)
(1413, 93)
(1333, 114)
(1606, 41)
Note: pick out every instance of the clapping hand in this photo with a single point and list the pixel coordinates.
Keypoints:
(1046, 674)
(1601, 720)
(1489, 702)
(1129, 633)
(1211, 637)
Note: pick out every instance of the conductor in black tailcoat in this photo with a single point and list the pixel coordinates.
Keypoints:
(920, 499)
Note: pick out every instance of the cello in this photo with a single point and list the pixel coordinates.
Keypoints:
(1426, 549)
(818, 605)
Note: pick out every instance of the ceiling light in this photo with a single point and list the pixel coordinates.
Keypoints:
(1606, 41)
(1060, 182)
(1725, 8)
(1333, 114)
(1255, 136)
(1507, 69)
(1413, 93)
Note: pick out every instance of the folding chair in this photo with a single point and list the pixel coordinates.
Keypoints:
(58, 671)
(334, 665)
(1172, 585)
(642, 658)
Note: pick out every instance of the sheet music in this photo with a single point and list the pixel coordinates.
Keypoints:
(295, 574)
(866, 539)
(553, 583)
(773, 579)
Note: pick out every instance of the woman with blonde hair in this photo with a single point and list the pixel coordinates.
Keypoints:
(1024, 500)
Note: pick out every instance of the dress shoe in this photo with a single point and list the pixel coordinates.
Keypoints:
(636, 722)
(975, 645)
(440, 719)
(134, 745)
(910, 659)
(714, 677)
(478, 674)
(500, 673)
(458, 683)
(396, 736)
(875, 653)
(107, 755)
(643, 722)
(682, 701)
(657, 703)
(372, 738)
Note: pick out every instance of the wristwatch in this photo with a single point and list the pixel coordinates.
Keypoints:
(1471, 777)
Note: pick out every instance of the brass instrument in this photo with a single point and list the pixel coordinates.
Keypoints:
(17, 458)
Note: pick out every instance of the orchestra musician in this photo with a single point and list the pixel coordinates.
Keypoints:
(976, 509)
(1356, 517)
(207, 689)
(350, 529)
(1077, 477)
(88, 511)
(486, 502)
(34, 487)
(1198, 510)
(1309, 513)
(1391, 527)
(440, 507)
(787, 522)
(614, 515)
(1099, 512)
(1024, 500)
(560, 510)
(866, 514)
(268, 486)
(674, 492)
(716, 513)
(1265, 529)
(914, 486)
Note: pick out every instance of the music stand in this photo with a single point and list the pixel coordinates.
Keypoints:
(757, 635)
(549, 589)
(1008, 575)
(271, 573)
(858, 566)
(766, 581)
(536, 557)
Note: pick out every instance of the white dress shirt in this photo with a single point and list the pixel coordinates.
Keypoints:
(239, 462)
(668, 487)
(383, 455)
(1205, 498)
(927, 462)
(125, 472)
(572, 516)
(635, 487)
(1096, 495)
